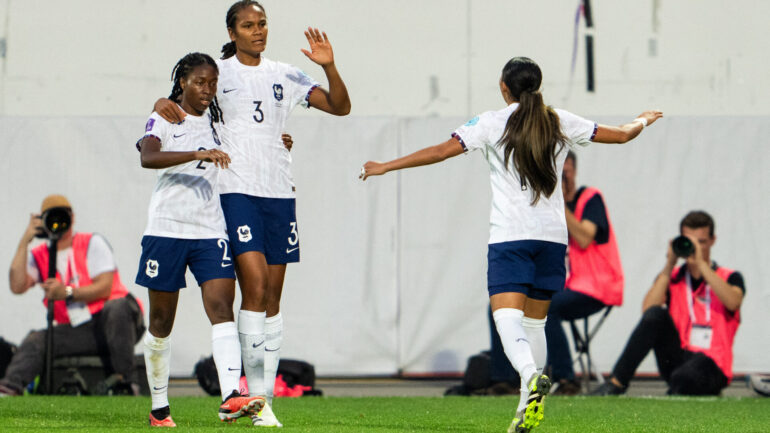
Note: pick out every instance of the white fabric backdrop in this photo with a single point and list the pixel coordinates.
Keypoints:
(392, 277)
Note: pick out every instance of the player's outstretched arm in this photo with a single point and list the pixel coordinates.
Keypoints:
(153, 157)
(169, 110)
(426, 156)
(627, 132)
(336, 100)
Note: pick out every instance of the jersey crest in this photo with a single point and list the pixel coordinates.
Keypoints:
(278, 91)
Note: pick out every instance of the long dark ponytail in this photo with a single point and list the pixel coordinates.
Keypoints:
(228, 49)
(532, 134)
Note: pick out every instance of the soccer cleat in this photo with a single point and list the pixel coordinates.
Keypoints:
(539, 386)
(265, 418)
(237, 406)
(517, 425)
(165, 422)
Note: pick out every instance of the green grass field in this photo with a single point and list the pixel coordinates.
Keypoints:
(396, 414)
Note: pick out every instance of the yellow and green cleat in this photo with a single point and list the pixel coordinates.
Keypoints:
(539, 386)
(517, 425)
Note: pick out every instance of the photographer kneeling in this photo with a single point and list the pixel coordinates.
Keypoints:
(691, 314)
(93, 311)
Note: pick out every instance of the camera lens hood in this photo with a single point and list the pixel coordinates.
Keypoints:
(682, 246)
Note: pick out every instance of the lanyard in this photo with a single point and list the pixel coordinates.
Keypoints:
(71, 277)
(690, 301)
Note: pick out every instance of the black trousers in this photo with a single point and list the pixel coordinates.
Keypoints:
(111, 334)
(686, 372)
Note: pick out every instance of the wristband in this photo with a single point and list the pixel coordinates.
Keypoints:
(641, 120)
(68, 293)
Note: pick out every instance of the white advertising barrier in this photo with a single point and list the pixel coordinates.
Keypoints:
(393, 269)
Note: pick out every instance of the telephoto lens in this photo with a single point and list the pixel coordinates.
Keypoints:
(682, 246)
(56, 221)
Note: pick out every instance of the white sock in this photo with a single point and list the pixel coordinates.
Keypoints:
(516, 347)
(251, 330)
(273, 340)
(226, 349)
(535, 330)
(157, 354)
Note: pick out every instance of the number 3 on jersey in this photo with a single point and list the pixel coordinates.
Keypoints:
(294, 238)
(259, 116)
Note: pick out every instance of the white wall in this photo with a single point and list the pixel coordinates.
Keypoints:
(92, 57)
(393, 270)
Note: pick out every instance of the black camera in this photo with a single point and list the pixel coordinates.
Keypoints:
(56, 221)
(682, 246)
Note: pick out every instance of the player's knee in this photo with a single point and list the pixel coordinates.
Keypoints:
(160, 324)
(219, 311)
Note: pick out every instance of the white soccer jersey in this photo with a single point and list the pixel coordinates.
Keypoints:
(256, 102)
(512, 217)
(185, 202)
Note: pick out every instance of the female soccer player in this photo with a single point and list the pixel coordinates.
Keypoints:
(525, 144)
(186, 228)
(257, 192)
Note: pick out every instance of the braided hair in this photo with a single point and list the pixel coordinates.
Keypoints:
(228, 49)
(181, 70)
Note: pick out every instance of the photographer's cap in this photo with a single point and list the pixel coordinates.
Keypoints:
(54, 200)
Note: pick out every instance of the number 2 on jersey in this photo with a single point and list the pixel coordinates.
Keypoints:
(259, 116)
(200, 163)
(221, 243)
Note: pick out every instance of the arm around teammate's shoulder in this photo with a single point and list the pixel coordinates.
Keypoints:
(627, 132)
(169, 110)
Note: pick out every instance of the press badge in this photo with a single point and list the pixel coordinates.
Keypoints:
(700, 336)
(79, 314)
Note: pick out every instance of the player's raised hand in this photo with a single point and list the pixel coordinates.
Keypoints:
(320, 47)
(651, 116)
(219, 158)
(169, 110)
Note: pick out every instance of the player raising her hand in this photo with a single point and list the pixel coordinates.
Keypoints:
(525, 144)
(186, 228)
(257, 95)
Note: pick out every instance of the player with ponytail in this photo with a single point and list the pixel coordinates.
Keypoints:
(525, 144)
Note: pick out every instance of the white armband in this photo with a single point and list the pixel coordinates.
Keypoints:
(641, 120)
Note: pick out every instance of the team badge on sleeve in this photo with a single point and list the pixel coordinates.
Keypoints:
(152, 268)
(149, 125)
(472, 122)
(278, 91)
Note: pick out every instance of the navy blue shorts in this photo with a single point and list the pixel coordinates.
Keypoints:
(266, 225)
(535, 268)
(165, 260)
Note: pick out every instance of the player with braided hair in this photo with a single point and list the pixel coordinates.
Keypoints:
(186, 228)
(257, 95)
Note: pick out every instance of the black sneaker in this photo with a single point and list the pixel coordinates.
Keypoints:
(608, 388)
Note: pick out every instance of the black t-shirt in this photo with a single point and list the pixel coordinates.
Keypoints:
(595, 212)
